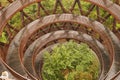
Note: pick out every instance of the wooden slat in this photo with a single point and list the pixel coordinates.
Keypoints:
(80, 7)
(10, 1)
(89, 10)
(22, 18)
(73, 5)
(38, 11)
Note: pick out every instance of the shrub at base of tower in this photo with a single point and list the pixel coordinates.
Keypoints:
(70, 61)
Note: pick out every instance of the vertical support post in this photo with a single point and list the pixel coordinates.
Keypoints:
(0, 6)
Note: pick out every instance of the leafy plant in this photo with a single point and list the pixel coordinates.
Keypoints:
(70, 61)
(3, 38)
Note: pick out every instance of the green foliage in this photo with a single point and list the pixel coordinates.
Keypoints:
(15, 21)
(3, 38)
(70, 61)
(118, 26)
(4, 3)
(31, 10)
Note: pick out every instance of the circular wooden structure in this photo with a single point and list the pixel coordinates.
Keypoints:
(50, 23)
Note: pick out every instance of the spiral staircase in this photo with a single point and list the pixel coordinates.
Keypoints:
(59, 23)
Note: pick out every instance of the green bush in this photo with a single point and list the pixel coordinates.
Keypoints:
(70, 61)
(3, 38)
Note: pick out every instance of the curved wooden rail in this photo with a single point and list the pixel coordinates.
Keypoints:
(25, 33)
(109, 6)
(117, 33)
(97, 48)
(40, 42)
(116, 76)
(13, 8)
(18, 5)
(18, 76)
(96, 26)
(18, 45)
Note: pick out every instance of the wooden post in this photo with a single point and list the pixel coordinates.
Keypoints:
(0, 6)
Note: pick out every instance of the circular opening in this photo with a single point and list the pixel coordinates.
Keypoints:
(70, 61)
